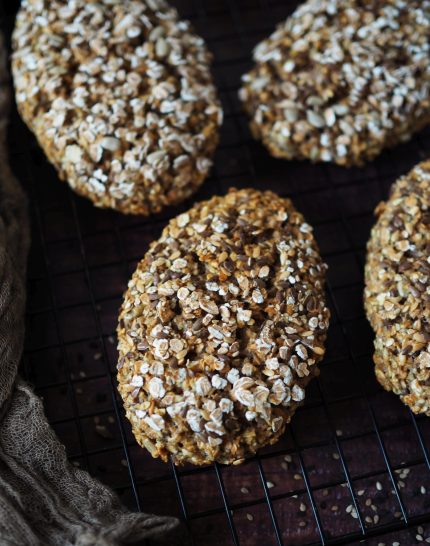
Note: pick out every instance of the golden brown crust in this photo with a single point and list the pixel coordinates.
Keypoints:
(120, 97)
(340, 80)
(222, 327)
(397, 294)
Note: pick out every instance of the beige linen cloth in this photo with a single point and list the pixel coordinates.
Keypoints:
(43, 499)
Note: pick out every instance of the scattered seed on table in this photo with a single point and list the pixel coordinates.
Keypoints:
(302, 523)
(98, 356)
(297, 477)
(250, 517)
(368, 502)
(375, 519)
(368, 519)
(124, 463)
(270, 485)
(378, 486)
(360, 493)
(284, 466)
(244, 490)
(335, 508)
(423, 490)
(302, 507)
(104, 432)
(339, 432)
(288, 458)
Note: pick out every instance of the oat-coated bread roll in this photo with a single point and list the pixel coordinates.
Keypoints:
(340, 80)
(120, 97)
(221, 329)
(397, 294)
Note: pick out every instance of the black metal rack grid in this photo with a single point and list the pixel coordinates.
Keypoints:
(354, 464)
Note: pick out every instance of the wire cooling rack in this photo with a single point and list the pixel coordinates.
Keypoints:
(354, 464)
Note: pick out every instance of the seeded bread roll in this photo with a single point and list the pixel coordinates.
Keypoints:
(222, 327)
(340, 80)
(397, 294)
(120, 97)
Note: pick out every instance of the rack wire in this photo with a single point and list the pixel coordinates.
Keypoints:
(354, 464)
